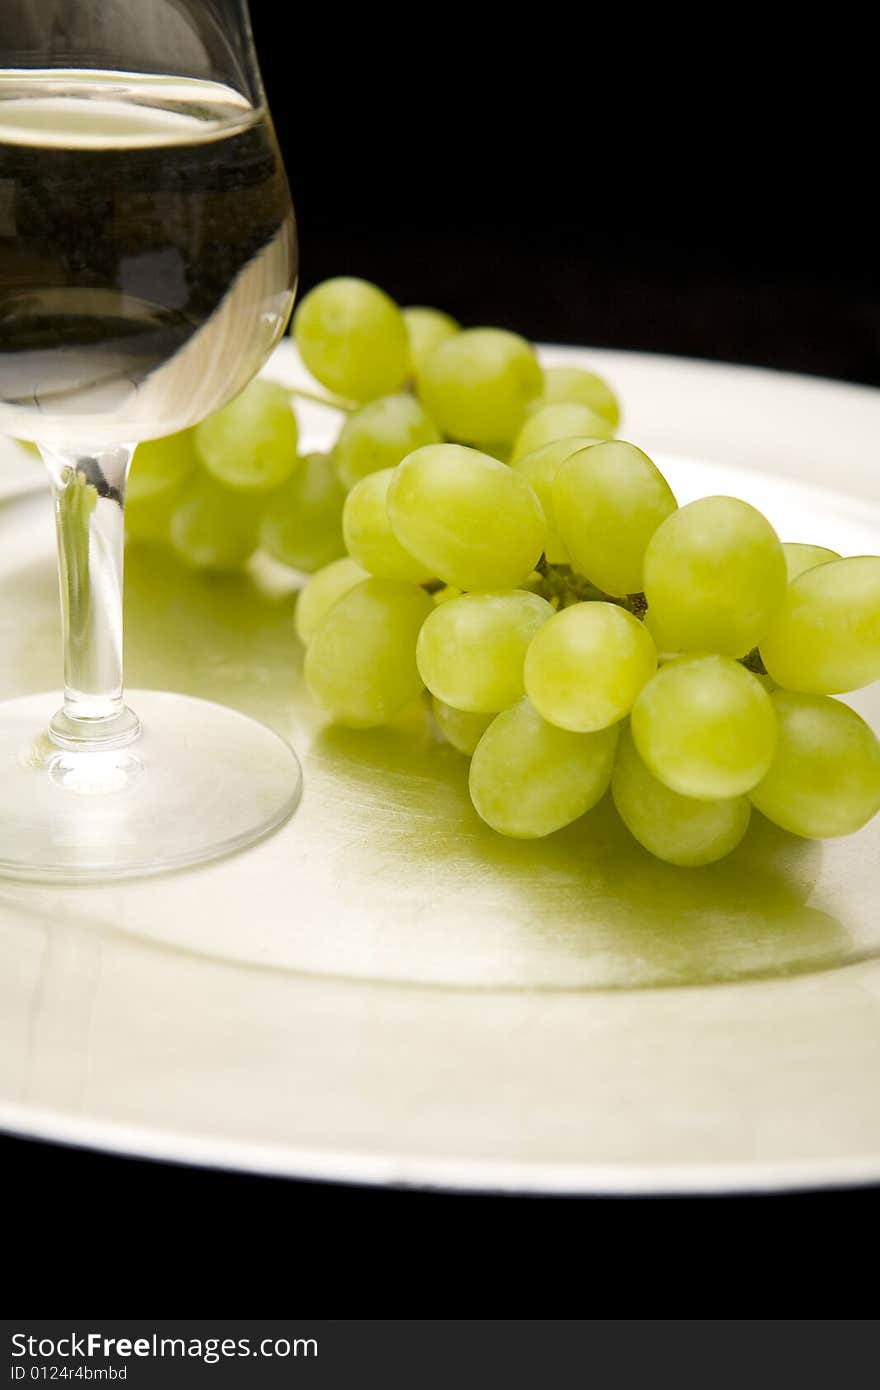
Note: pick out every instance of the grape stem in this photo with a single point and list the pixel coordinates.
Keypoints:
(563, 586)
(334, 402)
(753, 661)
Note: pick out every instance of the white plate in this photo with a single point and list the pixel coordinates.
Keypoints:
(385, 991)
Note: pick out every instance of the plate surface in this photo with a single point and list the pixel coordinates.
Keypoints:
(384, 990)
(21, 470)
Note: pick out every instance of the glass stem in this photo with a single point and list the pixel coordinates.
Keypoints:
(88, 489)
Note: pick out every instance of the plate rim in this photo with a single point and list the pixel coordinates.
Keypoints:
(420, 1172)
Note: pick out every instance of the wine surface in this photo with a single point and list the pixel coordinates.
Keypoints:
(147, 253)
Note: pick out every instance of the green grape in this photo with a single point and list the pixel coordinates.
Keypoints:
(302, 523)
(369, 538)
(714, 576)
(460, 728)
(250, 444)
(470, 520)
(705, 726)
(426, 329)
(470, 652)
(161, 466)
(352, 338)
(559, 420)
(575, 384)
(585, 667)
(825, 638)
(825, 777)
(609, 501)
(361, 663)
(678, 829)
(477, 384)
(539, 468)
(800, 558)
(214, 528)
(318, 596)
(529, 778)
(379, 435)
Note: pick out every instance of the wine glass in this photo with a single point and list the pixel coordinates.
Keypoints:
(147, 270)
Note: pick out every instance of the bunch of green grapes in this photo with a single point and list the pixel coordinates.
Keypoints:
(478, 537)
(577, 632)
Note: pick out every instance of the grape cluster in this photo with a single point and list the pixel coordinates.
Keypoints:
(480, 534)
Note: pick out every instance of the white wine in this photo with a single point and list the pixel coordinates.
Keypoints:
(147, 253)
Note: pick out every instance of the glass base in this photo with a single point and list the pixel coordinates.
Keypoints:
(200, 782)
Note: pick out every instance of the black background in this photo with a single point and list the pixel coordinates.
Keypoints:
(668, 191)
(687, 187)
